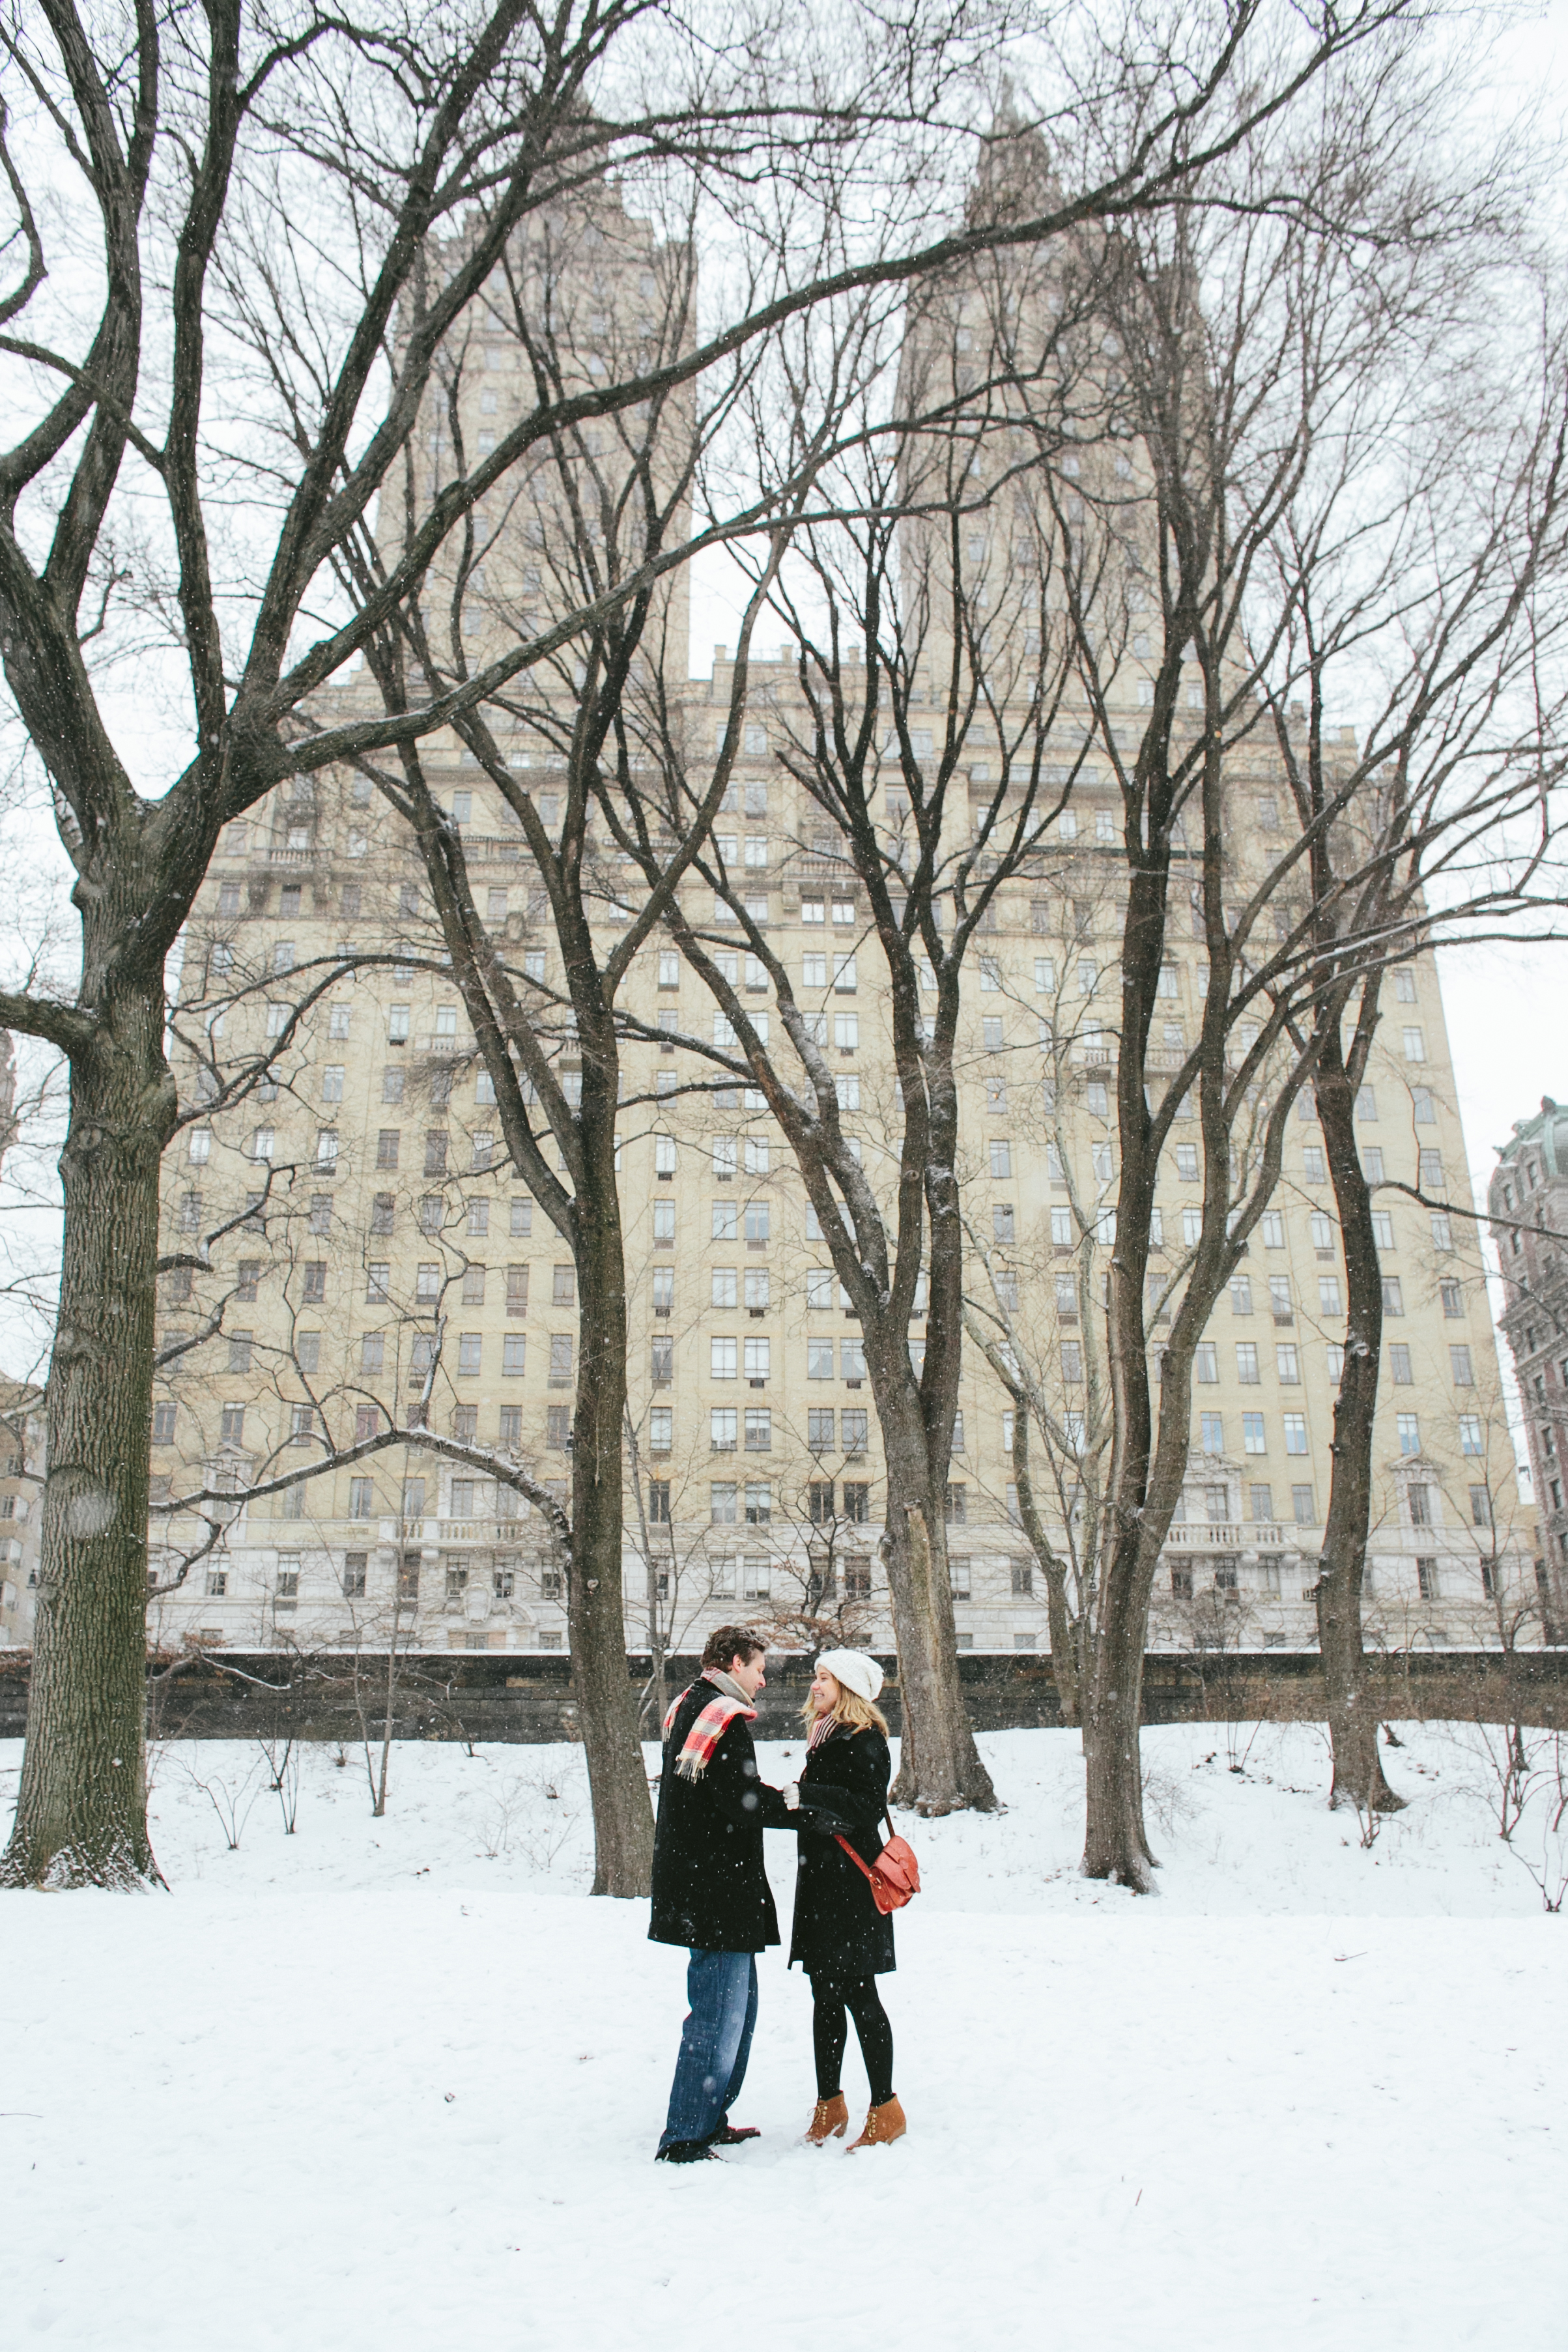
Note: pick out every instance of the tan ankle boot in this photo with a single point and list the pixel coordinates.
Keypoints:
(829, 2120)
(883, 2125)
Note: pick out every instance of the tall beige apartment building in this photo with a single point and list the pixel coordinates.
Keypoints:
(1529, 1203)
(370, 1251)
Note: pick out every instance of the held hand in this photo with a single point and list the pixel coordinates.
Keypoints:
(792, 1795)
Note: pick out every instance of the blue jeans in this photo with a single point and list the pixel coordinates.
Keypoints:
(716, 2043)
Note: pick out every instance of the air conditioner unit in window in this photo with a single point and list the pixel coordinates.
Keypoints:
(852, 1384)
(757, 1384)
(757, 1313)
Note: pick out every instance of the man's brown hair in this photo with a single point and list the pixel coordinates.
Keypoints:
(732, 1642)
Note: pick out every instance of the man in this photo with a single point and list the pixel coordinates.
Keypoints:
(710, 1889)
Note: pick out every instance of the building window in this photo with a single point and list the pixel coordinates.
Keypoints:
(722, 1429)
(1181, 1583)
(1399, 1366)
(1252, 1436)
(1470, 1440)
(1211, 1432)
(1303, 1510)
(1408, 1425)
(857, 1579)
(1427, 1579)
(659, 1502)
(1480, 1507)
(857, 1502)
(955, 1505)
(514, 1355)
(1295, 1432)
(661, 1361)
(721, 1505)
(1421, 1501)
(759, 1504)
(1459, 1366)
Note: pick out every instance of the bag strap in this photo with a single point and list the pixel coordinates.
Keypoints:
(854, 1857)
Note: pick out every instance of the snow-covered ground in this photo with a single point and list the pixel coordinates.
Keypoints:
(377, 2086)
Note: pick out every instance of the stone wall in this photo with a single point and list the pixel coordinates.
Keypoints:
(518, 1697)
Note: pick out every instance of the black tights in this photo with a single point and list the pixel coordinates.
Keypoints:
(832, 1996)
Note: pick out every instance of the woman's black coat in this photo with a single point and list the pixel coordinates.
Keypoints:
(837, 1931)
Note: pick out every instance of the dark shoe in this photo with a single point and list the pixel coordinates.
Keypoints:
(731, 2135)
(687, 2151)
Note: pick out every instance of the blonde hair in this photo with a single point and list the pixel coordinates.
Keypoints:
(856, 1714)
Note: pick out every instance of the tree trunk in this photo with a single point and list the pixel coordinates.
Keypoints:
(655, 1694)
(607, 1708)
(940, 1769)
(1352, 1723)
(1064, 1633)
(81, 1814)
(1115, 1844)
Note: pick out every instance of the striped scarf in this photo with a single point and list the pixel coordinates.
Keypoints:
(708, 1729)
(824, 1728)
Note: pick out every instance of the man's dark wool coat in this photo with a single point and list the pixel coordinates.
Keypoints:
(710, 1889)
(838, 1931)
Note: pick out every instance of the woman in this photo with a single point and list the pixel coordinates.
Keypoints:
(841, 1939)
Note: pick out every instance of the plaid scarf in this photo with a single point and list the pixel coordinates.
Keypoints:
(708, 1730)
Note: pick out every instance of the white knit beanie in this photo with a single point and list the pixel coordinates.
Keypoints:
(855, 1671)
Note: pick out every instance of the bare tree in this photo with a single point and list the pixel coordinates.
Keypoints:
(912, 654)
(1252, 415)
